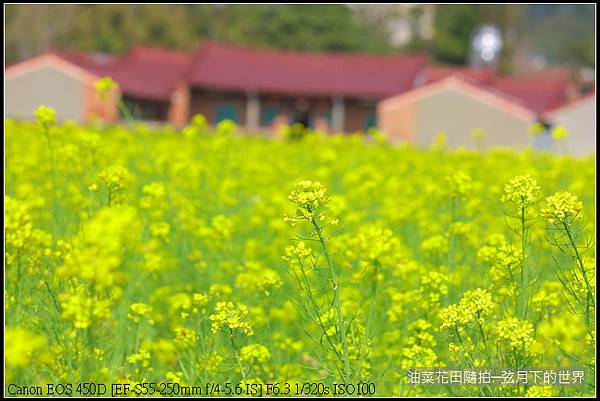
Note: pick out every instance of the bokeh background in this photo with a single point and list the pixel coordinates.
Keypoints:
(534, 34)
(476, 76)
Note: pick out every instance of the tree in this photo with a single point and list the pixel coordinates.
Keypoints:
(297, 26)
(116, 27)
(453, 25)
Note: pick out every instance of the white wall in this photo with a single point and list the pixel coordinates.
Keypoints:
(44, 85)
(580, 120)
(456, 114)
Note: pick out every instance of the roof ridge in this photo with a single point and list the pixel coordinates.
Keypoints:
(153, 49)
(295, 52)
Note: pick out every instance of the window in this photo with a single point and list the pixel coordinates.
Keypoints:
(267, 115)
(227, 111)
(371, 121)
(329, 117)
(146, 110)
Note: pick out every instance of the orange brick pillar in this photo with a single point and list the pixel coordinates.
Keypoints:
(179, 109)
(95, 108)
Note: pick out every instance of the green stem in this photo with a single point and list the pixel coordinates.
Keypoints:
(458, 334)
(237, 355)
(54, 178)
(373, 298)
(522, 291)
(336, 299)
(589, 298)
(125, 111)
(481, 331)
(316, 308)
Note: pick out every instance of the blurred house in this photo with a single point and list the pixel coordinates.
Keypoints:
(457, 107)
(263, 89)
(478, 108)
(579, 118)
(59, 82)
(256, 88)
(153, 84)
(331, 92)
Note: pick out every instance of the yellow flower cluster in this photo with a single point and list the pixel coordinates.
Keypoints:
(138, 311)
(100, 248)
(559, 133)
(474, 305)
(516, 332)
(458, 185)
(536, 128)
(226, 127)
(561, 334)
(507, 258)
(254, 353)
(523, 191)
(230, 317)
(115, 178)
(45, 116)
(257, 278)
(19, 234)
(541, 391)
(375, 244)
(105, 87)
(436, 245)
(309, 197)
(142, 357)
(21, 346)
(296, 254)
(562, 207)
(185, 337)
(82, 310)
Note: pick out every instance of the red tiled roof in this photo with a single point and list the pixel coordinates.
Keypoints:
(96, 63)
(479, 75)
(572, 102)
(228, 67)
(146, 73)
(482, 92)
(150, 73)
(538, 93)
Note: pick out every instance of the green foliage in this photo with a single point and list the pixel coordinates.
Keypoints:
(117, 27)
(453, 27)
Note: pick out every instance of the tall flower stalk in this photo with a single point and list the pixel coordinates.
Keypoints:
(520, 195)
(564, 213)
(310, 199)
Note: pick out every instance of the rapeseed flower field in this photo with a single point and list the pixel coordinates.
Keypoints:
(322, 265)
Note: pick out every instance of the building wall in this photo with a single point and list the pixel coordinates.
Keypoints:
(357, 115)
(179, 108)
(397, 121)
(319, 109)
(456, 114)
(96, 108)
(45, 85)
(205, 102)
(580, 121)
(283, 113)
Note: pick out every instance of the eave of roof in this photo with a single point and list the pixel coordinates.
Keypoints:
(572, 103)
(217, 66)
(69, 67)
(484, 93)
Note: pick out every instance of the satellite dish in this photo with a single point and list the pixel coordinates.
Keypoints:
(486, 44)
